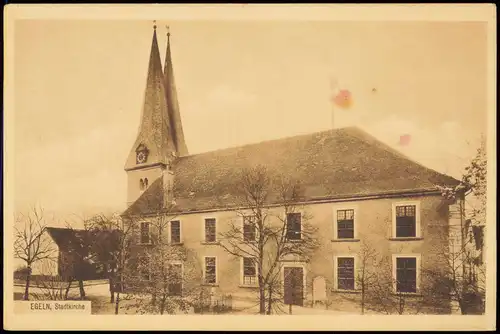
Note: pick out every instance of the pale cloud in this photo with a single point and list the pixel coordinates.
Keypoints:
(389, 129)
(229, 95)
(80, 173)
(450, 127)
(98, 191)
(445, 148)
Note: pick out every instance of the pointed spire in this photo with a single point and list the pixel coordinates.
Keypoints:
(154, 131)
(172, 102)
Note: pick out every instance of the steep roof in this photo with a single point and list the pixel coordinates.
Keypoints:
(340, 163)
(155, 131)
(63, 237)
(173, 104)
(67, 238)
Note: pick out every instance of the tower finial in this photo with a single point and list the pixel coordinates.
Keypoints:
(154, 24)
(168, 30)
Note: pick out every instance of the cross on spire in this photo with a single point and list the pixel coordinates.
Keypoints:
(154, 24)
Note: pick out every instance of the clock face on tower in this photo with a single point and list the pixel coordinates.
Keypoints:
(141, 157)
(141, 154)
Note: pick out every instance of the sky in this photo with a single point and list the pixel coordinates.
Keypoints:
(79, 88)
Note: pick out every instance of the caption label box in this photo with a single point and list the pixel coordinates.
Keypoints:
(53, 307)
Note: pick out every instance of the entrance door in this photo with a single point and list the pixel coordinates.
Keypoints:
(294, 285)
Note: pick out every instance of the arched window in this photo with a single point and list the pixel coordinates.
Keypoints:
(141, 184)
(145, 182)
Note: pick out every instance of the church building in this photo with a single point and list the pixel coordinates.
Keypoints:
(357, 190)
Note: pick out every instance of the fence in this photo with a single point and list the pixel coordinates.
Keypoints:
(206, 304)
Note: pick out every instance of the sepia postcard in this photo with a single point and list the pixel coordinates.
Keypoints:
(322, 167)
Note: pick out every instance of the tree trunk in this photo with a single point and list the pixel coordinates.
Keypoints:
(362, 299)
(162, 305)
(27, 287)
(67, 289)
(463, 306)
(290, 308)
(82, 290)
(61, 292)
(262, 300)
(117, 302)
(202, 305)
(262, 291)
(270, 301)
(111, 288)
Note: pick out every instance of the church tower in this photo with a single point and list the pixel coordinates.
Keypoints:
(160, 139)
(173, 104)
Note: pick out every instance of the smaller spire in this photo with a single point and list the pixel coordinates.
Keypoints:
(173, 104)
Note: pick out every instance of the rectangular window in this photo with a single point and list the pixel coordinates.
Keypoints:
(175, 232)
(210, 230)
(345, 273)
(175, 279)
(249, 228)
(144, 237)
(210, 270)
(249, 271)
(293, 226)
(406, 274)
(345, 224)
(406, 223)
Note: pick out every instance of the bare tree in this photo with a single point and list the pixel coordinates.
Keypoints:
(453, 280)
(271, 227)
(379, 293)
(170, 273)
(164, 270)
(30, 244)
(472, 186)
(367, 276)
(79, 260)
(380, 290)
(110, 248)
(463, 273)
(50, 287)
